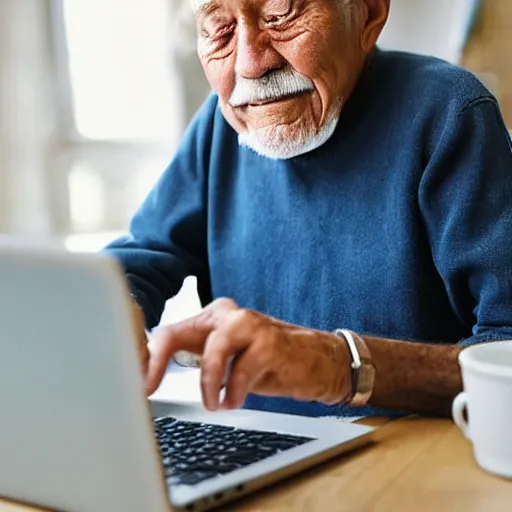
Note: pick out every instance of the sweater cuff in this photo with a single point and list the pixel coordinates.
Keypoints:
(151, 320)
(485, 338)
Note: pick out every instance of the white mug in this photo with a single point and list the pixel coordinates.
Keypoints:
(487, 401)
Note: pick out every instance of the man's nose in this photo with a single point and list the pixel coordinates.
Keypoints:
(255, 54)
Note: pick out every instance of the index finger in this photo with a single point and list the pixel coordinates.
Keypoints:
(189, 335)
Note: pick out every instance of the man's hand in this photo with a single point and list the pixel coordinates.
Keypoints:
(140, 334)
(267, 357)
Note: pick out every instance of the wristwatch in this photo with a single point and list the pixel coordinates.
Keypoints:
(363, 369)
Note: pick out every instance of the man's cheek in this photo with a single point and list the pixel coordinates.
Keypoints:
(235, 121)
(212, 78)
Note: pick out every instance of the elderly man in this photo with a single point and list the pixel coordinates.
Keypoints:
(347, 212)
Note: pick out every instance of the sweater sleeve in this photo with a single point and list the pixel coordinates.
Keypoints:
(465, 198)
(167, 235)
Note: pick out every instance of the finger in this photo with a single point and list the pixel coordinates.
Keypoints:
(164, 343)
(144, 355)
(252, 368)
(138, 325)
(189, 335)
(224, 344)
(247, 369)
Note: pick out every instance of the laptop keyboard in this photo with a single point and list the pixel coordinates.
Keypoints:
(192, 452)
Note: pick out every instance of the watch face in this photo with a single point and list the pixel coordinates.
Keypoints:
(366, 377)
(365, 382)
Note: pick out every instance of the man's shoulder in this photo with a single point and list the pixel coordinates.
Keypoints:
(432, 80)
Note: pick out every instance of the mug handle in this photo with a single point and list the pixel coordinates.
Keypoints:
(458, 407)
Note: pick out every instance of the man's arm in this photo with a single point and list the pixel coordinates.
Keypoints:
(415, 376)
(466, 200)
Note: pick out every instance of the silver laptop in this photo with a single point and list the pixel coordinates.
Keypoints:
(77, 432)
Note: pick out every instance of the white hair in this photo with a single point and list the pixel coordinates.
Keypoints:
(278, 84)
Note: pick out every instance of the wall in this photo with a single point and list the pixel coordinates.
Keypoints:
(432, 27)
(488, 52)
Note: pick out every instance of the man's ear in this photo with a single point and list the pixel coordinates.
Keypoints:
(376, 15)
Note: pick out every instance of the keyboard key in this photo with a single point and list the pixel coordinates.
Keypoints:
(193, 452)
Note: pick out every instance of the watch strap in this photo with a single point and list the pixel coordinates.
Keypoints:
(362, 367)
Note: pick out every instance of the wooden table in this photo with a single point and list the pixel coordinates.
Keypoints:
(416, 465)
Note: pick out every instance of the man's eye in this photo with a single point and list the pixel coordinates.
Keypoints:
(218, 33)
(224, 33)
(275, 19)
(276, 11)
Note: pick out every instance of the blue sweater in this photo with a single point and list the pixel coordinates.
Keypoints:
(400, 226)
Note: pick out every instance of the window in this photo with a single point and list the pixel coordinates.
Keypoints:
(118, 68)
(120, 106)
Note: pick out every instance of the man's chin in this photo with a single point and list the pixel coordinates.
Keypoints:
(282, 142)
(270, 149)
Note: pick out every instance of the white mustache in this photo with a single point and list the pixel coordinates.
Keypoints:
(274, 86)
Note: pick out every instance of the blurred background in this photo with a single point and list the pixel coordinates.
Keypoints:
(95, 95)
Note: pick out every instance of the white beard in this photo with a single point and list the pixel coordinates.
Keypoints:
(283, 142)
